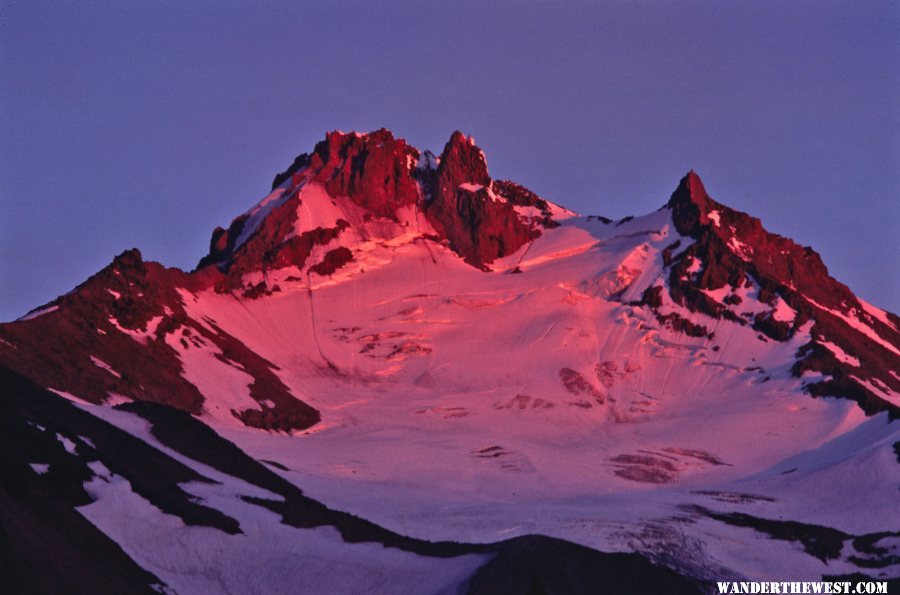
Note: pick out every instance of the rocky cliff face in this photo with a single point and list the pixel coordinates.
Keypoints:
(373, 170)
(116, 338)
(479, 224)
(383, 175)
(733, 258)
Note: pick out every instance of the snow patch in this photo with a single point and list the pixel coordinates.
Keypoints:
(100, 470)
(317, 209)
(857, 324)
(114, 398)
(427, 161)
(529, 213)
(225, 386)
(880, 389)
(740, 249)
(839, 353)
(877, 313)
(40, 468)
(105, 366)
(141, 336)
(37, 313)
(67, 443)
(695, 266)
(260, 211)
(68, 396)
(719, 294)
(783, 312)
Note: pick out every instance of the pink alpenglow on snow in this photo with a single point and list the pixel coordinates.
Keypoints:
(492, 387)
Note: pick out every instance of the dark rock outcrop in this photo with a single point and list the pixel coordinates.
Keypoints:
(523, 197)
(478, 224)
(734, 250)
(108, 338)
(558, 566)
(382, 174)
(373, 170)
(538, 564)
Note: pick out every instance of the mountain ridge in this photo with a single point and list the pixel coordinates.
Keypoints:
(394, 359)
(377, 188)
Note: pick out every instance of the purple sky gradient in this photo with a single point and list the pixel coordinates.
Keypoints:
(127, 124)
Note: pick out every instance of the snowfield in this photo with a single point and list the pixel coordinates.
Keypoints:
(444, 416)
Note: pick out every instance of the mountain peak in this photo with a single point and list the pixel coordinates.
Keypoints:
(387, 180)
(462, 162)
(373, 170)
(696, 192)
(461, 138)
(479, 224)
(690, 204)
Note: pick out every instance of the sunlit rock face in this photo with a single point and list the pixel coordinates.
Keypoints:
(480, 225)
(455, 359)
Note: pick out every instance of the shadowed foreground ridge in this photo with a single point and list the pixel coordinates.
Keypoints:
(44, 537)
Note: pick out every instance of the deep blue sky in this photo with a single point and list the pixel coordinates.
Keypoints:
(147, 124)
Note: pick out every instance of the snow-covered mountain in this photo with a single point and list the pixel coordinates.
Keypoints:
(502, 389)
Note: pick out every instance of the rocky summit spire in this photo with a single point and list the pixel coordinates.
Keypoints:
(479, 225)
(371, 169)
(462, 162)
(690, 205)
(381, 174)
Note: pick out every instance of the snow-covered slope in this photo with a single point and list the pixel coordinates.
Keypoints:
(455, 358)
